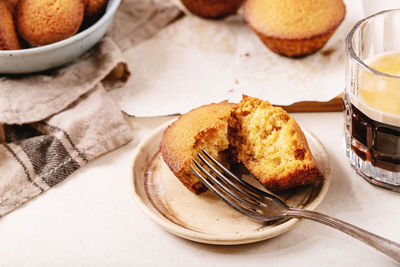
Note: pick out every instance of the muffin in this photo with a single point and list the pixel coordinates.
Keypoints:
(42, 22)
(212, 9)
(94, 10)
(202, 128)
(8, 36)
(272, 146)
(13, 3)
(294, 28)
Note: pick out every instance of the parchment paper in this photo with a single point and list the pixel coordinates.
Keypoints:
(195, 61)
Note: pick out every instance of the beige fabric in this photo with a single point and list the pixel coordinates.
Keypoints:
(100, 122)
(36, 97)
(37, 156)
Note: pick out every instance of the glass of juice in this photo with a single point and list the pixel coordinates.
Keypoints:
(372, 98)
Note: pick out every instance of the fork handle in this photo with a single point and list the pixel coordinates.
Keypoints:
(384, 245)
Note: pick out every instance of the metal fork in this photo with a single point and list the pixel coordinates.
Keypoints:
(260, 205)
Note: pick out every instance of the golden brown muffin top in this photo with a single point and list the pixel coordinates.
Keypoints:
(294, 19)
(180, 137)
(42, 22)
(8, 37)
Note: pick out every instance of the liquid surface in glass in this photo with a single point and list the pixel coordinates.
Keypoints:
(375, 117)
(378, 92)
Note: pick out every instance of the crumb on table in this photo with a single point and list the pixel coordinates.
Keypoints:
(327, 52)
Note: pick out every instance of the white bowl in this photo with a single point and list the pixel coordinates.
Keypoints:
(57, 54)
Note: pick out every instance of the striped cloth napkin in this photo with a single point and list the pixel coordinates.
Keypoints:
(35, 157)
(53, 123)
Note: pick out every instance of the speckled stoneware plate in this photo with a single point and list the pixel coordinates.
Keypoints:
(205, 218)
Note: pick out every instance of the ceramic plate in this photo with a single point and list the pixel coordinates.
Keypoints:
(205, 218)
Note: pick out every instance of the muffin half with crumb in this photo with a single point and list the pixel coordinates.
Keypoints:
(294, 28)
(205, 127)
(272, 146)
(212, 9)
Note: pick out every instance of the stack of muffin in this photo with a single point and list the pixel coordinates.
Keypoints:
(291, 28)
(26, 23)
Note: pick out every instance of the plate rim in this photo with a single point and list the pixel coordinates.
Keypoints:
(207, 238)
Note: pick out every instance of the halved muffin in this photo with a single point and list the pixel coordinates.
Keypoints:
(272, 146)
(205, 127)
(8, 36)
(294, 28)
(212, 9)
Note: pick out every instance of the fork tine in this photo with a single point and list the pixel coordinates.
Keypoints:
(223, 187)
(250, 213)
(246, 185)
(254, 198)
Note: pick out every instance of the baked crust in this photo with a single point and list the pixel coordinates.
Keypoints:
(212, 9)
(272, 147)
(295, 48)
(309, 34)
(42, 22)
(204, 127)
(8, 36)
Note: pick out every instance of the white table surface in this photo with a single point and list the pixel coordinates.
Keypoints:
(90, 219)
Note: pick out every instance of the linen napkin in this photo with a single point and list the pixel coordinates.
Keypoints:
(25, 99)
(55, 122)
(35, 157)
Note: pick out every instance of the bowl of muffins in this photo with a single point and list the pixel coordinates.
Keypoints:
(38, 35)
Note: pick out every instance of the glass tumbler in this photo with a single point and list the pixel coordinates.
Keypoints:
(372, 98)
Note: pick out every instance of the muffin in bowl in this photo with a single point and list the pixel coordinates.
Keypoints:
(94, 9)
(42, 22)
(294, 28)
(8, 36)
